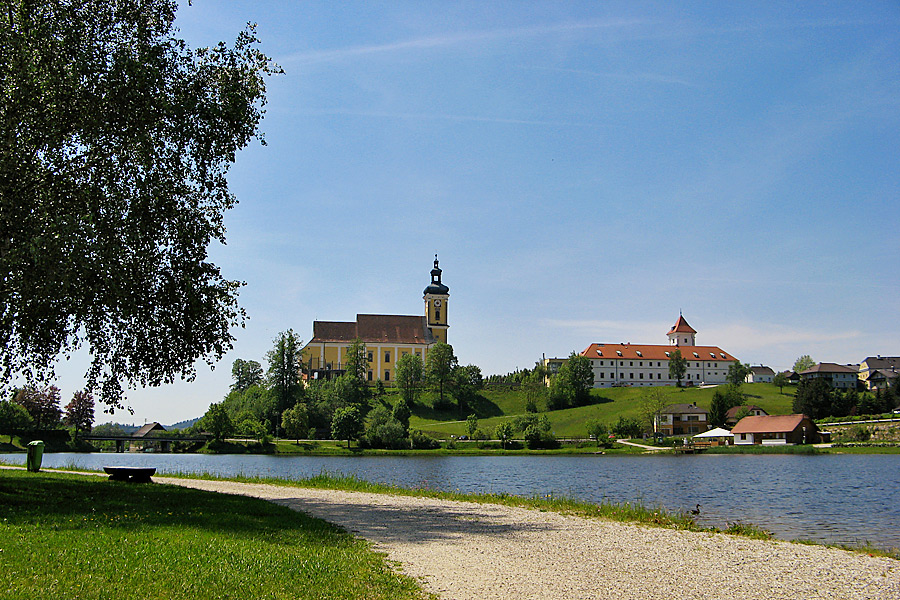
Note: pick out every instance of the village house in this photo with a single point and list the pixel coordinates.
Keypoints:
(773, 430)
(732, 414)
(387, 337)
(879, 369)
(842, 377)
(682, 419)
(760, 374)
(645, 364)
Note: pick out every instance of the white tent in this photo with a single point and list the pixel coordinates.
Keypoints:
(718, 432)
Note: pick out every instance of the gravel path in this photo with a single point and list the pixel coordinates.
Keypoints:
(463, 550)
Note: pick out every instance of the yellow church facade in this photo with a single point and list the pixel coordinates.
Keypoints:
(386, 337)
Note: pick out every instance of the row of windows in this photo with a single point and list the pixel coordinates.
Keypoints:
(602, 375)
(387, 355)
(649, 364)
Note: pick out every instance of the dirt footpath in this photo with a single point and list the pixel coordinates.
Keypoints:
(463, 550)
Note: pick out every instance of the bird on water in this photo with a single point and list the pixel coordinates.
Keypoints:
(696, 511)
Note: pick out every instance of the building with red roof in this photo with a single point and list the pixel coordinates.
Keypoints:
(648, 364)
(776, 430)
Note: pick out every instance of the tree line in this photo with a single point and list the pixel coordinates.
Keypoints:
(277, 401)
(34, 409)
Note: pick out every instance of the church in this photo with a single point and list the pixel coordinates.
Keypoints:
(387, 337)
(644, 365)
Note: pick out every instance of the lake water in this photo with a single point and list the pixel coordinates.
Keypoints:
(847, 499)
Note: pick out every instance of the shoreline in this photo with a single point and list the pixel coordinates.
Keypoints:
(466, 550)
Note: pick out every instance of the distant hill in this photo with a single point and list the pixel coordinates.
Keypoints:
(183, 424)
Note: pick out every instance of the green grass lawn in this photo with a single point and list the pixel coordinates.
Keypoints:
(610, 404)
(67, 536)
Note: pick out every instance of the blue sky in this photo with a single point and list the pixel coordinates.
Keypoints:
(583, 170)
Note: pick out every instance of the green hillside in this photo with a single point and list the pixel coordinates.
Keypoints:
(609, 404)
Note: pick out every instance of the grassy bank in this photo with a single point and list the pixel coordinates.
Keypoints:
(496, 406)
(67, 536)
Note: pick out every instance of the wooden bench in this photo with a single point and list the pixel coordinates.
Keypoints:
(132, 474)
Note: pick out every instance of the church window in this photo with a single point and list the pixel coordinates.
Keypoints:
(369, 376)
(387, 375)
(437, 314)
(387, 357)
(370, 356)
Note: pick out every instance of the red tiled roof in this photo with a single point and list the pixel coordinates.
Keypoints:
(396, 329)
(768, 424)
(681, 326)
(655, 352)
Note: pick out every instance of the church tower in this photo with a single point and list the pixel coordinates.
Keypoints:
(681, 333)
(436, 296)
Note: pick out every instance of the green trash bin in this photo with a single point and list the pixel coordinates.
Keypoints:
(35, 454)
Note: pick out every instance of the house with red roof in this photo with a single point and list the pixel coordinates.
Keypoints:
(774, 430)
(627, 364)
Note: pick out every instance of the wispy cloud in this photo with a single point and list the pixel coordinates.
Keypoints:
(442, 117)
(455, 39)
(636, 76)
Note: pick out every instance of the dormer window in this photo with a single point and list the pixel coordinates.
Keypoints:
(599, 352)
(667, 355)
(713, 355)
(723, 354)
(696, 355)
(639, 353)
(619, 352)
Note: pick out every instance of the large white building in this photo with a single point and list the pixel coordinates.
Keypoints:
(646, 364)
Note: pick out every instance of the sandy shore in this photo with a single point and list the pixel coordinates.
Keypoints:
(463, 550)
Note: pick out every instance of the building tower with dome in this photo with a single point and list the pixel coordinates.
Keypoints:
(387, 337)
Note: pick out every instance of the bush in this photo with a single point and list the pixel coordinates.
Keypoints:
(422, 441)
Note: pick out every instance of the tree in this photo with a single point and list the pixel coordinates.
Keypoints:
(653, 401)
(356, 368)
(504, 433)
(295, 421)
(41, 404)
(467, 382)
(347, 424)
(284, 372)
(718, 409)
(780, 380)
(80, 412)
(572, 384)
(385, 431)
(439, 367)
(598, 430)
(737, 373)
(402, 413)
(217, 422)
(13, 419)
(804, 363)
(471, 425)
(408, 374)
(246, 373)
(813, 398)
(677, 367)
(116, 141)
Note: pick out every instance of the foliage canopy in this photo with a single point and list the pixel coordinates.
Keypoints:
(115, 141)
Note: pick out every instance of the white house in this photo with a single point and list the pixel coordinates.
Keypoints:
(644, 364)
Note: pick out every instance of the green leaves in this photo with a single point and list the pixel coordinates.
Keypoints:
(115, 140)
